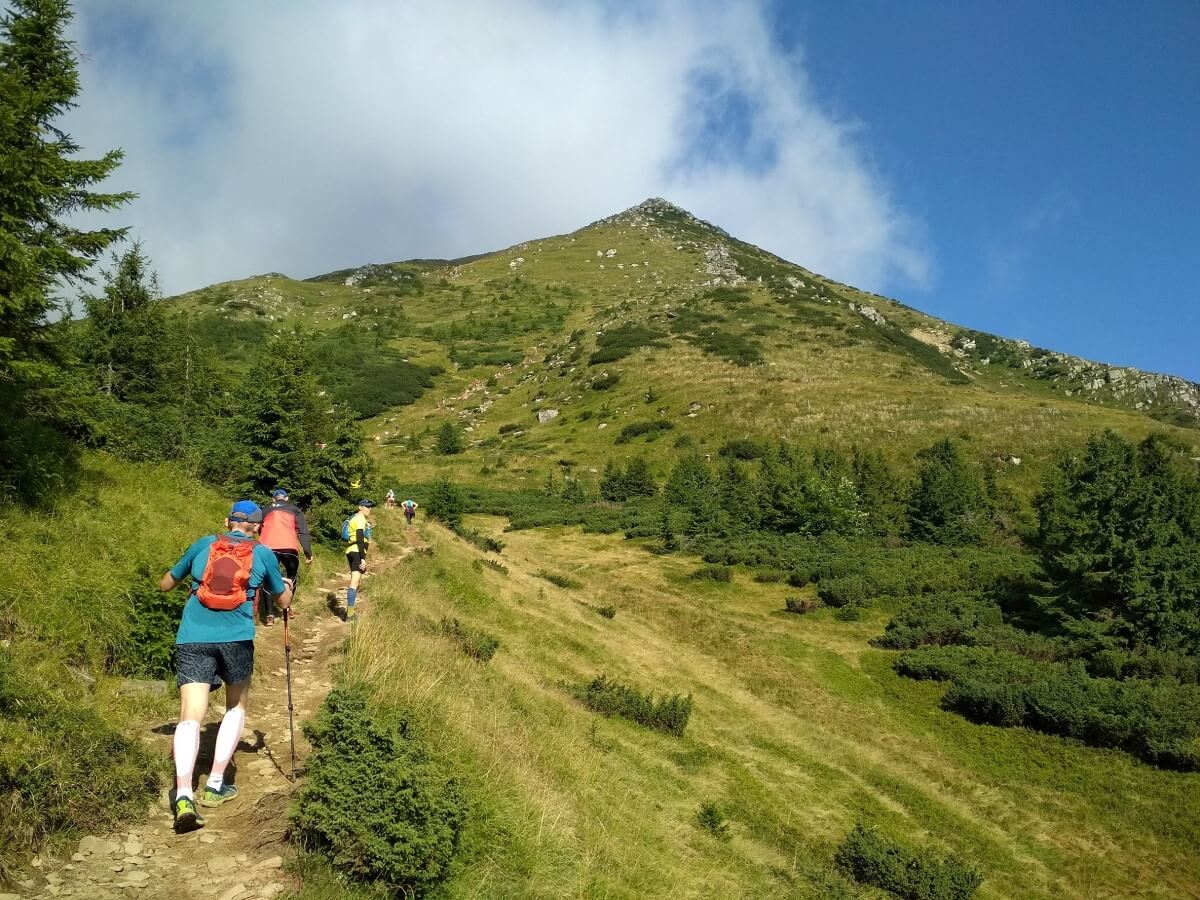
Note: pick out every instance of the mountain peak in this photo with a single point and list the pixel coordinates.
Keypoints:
(663, 213)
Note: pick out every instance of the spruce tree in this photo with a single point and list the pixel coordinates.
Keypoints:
(43, 184)
(125, 339)
(638, 480)
(1119, 538)
(448, 440)
(612, 484)
(948, 503)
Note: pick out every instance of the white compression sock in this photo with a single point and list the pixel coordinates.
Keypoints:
(187, 746)
(228, 736)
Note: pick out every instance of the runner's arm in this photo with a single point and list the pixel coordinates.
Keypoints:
(303, 535)
(273, 583)
(180, 570)
(360, 538)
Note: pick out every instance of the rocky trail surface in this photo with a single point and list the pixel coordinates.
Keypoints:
(239, 853)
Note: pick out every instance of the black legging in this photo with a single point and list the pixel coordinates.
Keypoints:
(289, 562)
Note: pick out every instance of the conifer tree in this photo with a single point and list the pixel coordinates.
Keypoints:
(638, 480)
(44, 183)
(948, 503)
(612, 483)
(125, 339)
(1119, 538)
(449, 442)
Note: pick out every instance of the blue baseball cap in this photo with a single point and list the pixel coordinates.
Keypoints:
(367, 503)
(279, 492)
(245, 511)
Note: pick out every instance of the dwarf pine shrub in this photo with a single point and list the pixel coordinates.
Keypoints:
(149, 649)
(373, 803)
(801, 605)
(710, 818)
(608, 612)
(875, 859)
(562, 581)
(938, 619)
(611, 698)
(720, 574)
(477, 644)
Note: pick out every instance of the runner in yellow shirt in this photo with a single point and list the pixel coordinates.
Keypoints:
(356, 552)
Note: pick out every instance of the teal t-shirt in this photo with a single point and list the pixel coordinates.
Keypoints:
(201, 625)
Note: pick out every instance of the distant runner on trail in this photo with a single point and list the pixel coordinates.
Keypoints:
(410, 509)
(389, 501)
(284, 532)
(215, 643)
(358, 533)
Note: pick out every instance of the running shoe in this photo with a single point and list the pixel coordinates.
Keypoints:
(216, 798)
(187, 817)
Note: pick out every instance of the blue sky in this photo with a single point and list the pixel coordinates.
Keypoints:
(1028, 169)
(1052, 151)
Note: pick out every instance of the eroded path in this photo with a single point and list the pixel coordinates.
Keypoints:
(239, 853)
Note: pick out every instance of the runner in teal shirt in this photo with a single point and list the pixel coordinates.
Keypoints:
(214, 646)
(201, 625)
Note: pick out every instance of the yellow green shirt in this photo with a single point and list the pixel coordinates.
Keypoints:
(358, 522)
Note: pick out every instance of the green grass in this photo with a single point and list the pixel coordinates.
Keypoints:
(800, 729)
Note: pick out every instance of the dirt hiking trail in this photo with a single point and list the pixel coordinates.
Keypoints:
(238, 854)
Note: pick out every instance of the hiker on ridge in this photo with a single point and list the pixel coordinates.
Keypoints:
(410, 510)
(389, 502)
(358, 532)
(285, 533)
(215, 643)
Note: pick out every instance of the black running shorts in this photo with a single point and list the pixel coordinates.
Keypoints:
(355, 560)
(231, 662)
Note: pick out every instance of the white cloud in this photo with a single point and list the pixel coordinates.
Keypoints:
(304, 136)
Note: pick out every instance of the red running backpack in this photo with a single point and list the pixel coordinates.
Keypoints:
(227, 574)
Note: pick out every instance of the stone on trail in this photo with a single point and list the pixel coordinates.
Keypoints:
(236, 892)
(220, 865)
(10, 897)
(273, 862)
(96, 845)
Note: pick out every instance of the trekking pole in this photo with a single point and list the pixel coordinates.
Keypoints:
(287, 656)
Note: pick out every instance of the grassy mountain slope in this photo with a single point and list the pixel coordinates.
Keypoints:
(799, 728)
(541, 356)
(720, 339)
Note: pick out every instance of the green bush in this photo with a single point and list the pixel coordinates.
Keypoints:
(494, 565)
(637, 429)
(938, 619)
(372, 802)
(710, 818)
(510, 427)
(63, 768)
(800, 605)
(563, 581)
(149, 650)
(608, 612)
(850, 590)
(1158, 721)
(477, 644)
(619, 342)
(611, 698)
(482, 541)
(445, 503)
(875, 859)
(743, 448)
(449, 441)
(770, 576)
(605, 381)
(721, 574)
(852, 613)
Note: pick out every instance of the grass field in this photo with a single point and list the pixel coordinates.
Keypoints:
(799, 730)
